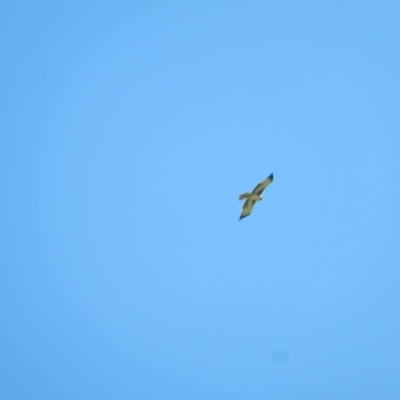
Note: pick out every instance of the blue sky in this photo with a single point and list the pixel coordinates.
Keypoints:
(128, 131)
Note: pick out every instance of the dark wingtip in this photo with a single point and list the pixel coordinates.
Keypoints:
(271, 177)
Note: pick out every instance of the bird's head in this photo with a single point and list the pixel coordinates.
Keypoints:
(261, 198)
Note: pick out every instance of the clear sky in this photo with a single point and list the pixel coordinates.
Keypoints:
(128, 130)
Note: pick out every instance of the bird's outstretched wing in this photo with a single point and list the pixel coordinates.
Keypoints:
(262, 185)
(247, 208)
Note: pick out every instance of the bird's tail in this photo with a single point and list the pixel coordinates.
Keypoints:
(244, 196)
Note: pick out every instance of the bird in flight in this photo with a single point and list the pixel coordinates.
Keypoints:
(254, 196)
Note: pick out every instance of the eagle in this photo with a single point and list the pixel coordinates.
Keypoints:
(254, 196)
